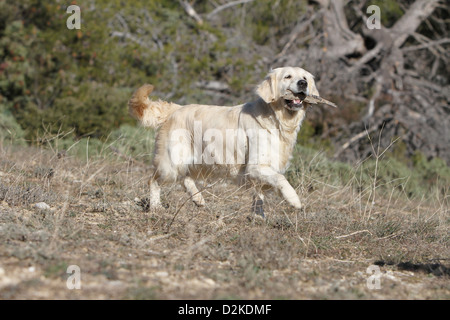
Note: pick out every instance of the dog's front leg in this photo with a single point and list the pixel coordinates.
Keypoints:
(191, 188)
(267, 175)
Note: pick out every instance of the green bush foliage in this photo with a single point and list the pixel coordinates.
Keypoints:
(53, 79)
(10, 130)
(424, 179)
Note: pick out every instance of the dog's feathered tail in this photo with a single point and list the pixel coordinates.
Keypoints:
(149, 113)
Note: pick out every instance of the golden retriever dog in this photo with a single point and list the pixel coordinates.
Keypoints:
(252, 142)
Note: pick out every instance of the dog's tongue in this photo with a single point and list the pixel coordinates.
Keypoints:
(297, 101)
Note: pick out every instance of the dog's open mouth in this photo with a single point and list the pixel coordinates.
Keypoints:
(294, 101)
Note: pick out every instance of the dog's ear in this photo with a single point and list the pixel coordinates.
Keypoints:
(312, 90)
(267, 90)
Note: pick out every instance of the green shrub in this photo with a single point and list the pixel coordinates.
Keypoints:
(124, 142)
(424, 178)
(10, 130)
(137, 142)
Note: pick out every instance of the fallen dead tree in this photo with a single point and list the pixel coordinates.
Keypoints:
(397, 76)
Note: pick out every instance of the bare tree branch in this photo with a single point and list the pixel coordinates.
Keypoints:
(410, 21)
(297, 30)
(191, 12)
(353, 139)
(426, 45)
(131, 37)
(226, 6)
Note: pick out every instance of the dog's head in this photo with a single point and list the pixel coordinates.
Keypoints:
(287, 86)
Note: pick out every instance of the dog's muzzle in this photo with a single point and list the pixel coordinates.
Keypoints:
(294, 100)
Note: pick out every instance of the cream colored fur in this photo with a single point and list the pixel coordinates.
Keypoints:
(177, 159)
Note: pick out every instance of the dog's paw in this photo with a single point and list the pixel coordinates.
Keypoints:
(147, 205)
(295, 203)
(257, 218)
(298, 206)
(257, 208)
(199, 201)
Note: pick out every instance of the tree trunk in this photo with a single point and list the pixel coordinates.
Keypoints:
(340, 40)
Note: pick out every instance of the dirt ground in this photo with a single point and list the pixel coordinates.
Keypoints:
(97, 219)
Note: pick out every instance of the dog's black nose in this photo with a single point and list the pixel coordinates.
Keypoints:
(302, 84)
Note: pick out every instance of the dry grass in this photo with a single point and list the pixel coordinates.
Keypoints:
(218, 252)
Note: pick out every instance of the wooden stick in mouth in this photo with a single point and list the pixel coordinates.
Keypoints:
(316, 99)
(312, 99)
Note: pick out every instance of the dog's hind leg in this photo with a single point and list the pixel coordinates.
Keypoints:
(258, 203)
(195, 194)
(155, 194)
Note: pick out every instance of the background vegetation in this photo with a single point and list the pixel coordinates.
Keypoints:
(373, 174)
(74, 84)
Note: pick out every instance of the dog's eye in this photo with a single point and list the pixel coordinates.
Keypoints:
(288, 76)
